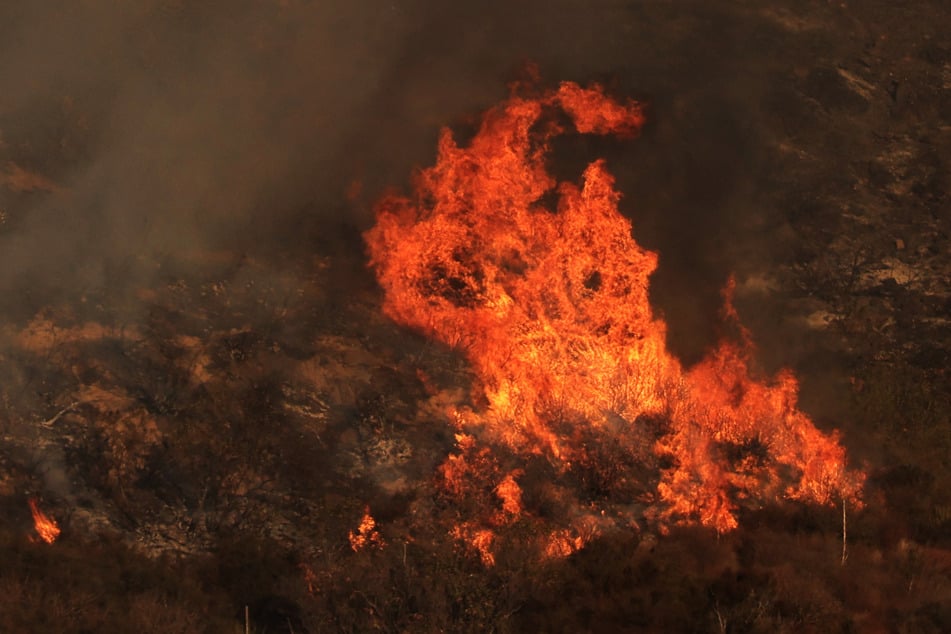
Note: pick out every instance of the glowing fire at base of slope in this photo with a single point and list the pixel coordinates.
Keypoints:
(550, 306)
(45, 526)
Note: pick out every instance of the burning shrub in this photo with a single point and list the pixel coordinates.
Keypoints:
(551, 308)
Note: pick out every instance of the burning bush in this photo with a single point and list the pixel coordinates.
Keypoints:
(550, 306)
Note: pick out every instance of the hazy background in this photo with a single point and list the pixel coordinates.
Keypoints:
(165, 127)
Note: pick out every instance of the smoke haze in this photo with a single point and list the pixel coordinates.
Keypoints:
(168, 127)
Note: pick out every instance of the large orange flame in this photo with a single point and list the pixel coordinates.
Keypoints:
(46, 527)
(551, 308)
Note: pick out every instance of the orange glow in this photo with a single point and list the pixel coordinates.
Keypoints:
(510, 494)
(478, 540)
(46, 527)
(550, 305)
(562, 543)
(366, 534)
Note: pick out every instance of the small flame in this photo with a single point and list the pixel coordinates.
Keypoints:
(477, 540)
(366, 534)
(562, 544)
(510, 494)
(46, 527)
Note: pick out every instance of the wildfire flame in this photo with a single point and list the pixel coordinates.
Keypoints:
(550, 305)
(366, 533)
(46, 527)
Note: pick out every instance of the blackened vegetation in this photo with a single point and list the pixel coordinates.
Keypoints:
(205, 469)
(462, 287)
(751, 450)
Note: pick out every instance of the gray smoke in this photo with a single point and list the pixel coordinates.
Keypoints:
(171, 126)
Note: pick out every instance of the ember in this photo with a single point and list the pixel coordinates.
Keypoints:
(551, 308)
(46, 527)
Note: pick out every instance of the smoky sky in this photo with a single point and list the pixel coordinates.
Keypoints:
(173, 126)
